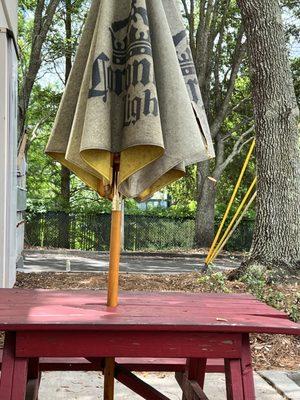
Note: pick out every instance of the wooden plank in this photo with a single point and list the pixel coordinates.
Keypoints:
(33, 368)
(196, 369)
(69, 364)
(159, 344)
(138, 385)
(32, 390)
(152, 313)
(23, 298)
(234, 382)
(247, 371)
(234, 325)
(154, 364)
(55, 305)
(52, 310)
(213, 365)
(19, 383)
(34, 379)
(190, 388)
(96, 319)
(95, 298)
(8, 365)
(136, 309)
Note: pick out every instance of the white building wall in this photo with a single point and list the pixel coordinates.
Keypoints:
(8, 142)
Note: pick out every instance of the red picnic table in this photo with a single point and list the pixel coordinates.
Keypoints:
(184, 333)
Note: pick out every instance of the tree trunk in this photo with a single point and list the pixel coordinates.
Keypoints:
(205, 215)
(65, 175)
(208, 27)
(276, 240)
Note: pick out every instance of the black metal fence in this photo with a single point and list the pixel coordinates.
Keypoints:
(141, 232)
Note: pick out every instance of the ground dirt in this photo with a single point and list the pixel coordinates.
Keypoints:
(269, 351)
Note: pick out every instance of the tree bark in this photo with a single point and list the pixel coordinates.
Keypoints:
(209, 54)
(65, 175)
(205, 214)
(276, 242)
(64, 222)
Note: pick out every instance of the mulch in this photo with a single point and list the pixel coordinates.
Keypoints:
(269, 351)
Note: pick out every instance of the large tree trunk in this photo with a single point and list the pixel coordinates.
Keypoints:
(208, 22)
(205, 215)
(276, 240)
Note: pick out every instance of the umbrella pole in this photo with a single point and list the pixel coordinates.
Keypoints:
(113, 281)
(114, 255)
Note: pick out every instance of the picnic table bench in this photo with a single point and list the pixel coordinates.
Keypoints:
(189, 334)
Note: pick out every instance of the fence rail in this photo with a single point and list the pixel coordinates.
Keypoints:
(141, 232)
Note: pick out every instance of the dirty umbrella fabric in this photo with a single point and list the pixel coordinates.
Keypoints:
(132, 91)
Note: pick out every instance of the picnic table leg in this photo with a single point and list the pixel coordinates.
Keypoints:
(19, 379)
(239, 374)
(247, 371)
(195, 369)
(8, 365)
(13, 372)
(234, 381)
(34, 378)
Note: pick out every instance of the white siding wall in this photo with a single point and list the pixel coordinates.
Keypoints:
(8, 143)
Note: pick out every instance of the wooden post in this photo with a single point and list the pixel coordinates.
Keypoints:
(109, 379)
(113, 274)
(114, 257)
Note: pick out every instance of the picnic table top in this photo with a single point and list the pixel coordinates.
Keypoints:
(24, 309)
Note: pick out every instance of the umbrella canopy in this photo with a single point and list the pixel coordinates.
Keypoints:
(132, 91)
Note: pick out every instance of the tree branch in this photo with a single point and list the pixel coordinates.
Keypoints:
(41, 27)
(237, 148)
(218, 54)
(236, 63)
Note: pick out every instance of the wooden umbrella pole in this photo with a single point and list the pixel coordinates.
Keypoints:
(113, 276)
(115, 249)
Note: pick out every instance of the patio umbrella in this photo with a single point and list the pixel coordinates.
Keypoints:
(131, 117)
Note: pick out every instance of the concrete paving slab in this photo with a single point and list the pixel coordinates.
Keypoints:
(37, 262)
(285, 382)
(89, 386)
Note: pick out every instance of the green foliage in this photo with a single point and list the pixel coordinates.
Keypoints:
(295, 64)
(57, 45)
(291, 13)
(214, 281)
(259, 283)
(44, 174)
(183, 193)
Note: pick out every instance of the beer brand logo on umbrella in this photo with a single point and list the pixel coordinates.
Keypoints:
(132, 91)
(128, 68)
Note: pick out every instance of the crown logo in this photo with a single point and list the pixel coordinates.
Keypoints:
(186, 62)
(131, 36)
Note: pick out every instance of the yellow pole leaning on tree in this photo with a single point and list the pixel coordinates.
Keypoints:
(230, 202)
(239, 209)
(235, 225)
